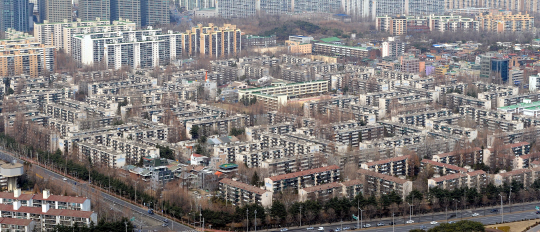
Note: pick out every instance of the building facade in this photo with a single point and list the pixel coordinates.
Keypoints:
(155, 12)
(28, 58)
(56, 11)
(16, 15)
(89, 10)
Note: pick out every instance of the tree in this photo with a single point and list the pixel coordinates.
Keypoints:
(278, 211)
(255, 179)
(194, 132)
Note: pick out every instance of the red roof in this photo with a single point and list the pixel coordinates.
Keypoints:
(15, 221)
(515, 172)
(352, 182)
(385, 161)
(447, 166)
(528, 156)
(322, 187)
(244, 186)
(59, 198)
(382, 176)
(54, 212)
(513, 145)
(197, 155)
(476, 173)
(304, 173)
(23, 197)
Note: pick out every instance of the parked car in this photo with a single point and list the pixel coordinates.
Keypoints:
(310, 228)
(380, 224)
(433, 223)
(475, 214)
(321, 228)
(410, 221)
(367, 225)
(284, 229)
(346, 228)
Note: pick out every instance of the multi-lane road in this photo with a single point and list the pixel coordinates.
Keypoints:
(140, 213)
(485, 216)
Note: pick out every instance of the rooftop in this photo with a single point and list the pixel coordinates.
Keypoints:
(304, 173)
(385, 161)
(331, 39)
(382, 176)
(322, 187)
(244, 186)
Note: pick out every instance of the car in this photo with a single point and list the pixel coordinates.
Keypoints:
(451, 222)
(310, 228)
(346, 228)
(494, 210)
(65, 179)
(337, 230)
(166, 220)
(367, 225)
(284, 229)
(537, 212)
(423, 227)
(410, 221)
(321, 228)
(475, 214)
(164, 225)
(380, 224)
(433, 223)
(391, 223)
(355, 227)
(452, 215)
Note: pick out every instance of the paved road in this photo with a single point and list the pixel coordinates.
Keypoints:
(139, 211)
(400, 226)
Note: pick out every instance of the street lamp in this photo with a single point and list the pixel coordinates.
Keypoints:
(411, 211)
(256, 219)
(502, 210)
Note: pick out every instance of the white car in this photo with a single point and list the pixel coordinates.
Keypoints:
(284, 229)
(321, 228)
(434, 223)
(475, 214)
(410, 222)
(65, 179)
(310, 228)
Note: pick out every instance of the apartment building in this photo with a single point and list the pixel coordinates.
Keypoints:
(155, 12)
(56, 11)
(345, 51)
(15, 224)
(352, 188)
(378, 184)
(505, 22)
(524, 176)
(442, 168)
(288, 164)
(258, 41)
(95, 26)
(26, 58)
(354, 136)
(476, 179)
(127, 9)
(298, 48)
(461, 158)
(396, 166)
(218, 125)
(399, 25)
(239, 194)
(275, 96)
(92, 9)
(101, 155)
(303, 179)
(37, 200)
(524, 161)
(52, 33)
(321, 193)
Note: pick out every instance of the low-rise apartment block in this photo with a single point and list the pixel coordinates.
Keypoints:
(303, 179)
(378, 184)
(240, 194)
(442, 168)
(396, 166)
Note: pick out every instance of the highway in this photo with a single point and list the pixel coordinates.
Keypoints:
(75, 185)
(519, 212)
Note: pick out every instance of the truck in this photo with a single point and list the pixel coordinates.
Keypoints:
(150, 211)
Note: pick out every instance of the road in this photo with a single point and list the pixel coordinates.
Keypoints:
(142, 213)
(485, 216)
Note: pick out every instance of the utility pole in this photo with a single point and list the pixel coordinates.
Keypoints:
(502, 212)
(361, 222)
(510, 199)
(299, 215)
(256, 219)
(247, 216)
(126, 225)
(393, 223)
(358, 219)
